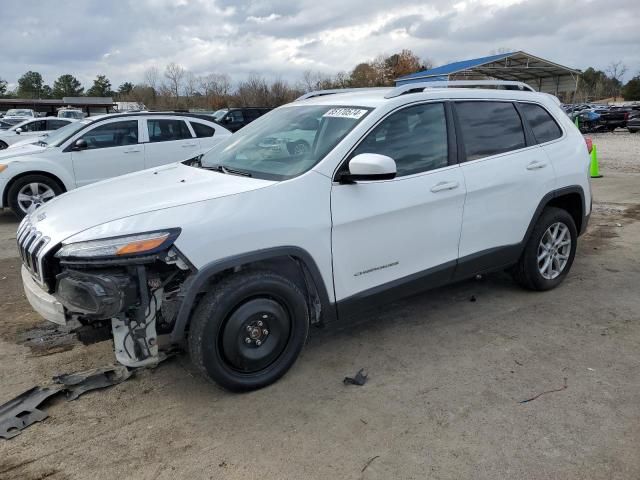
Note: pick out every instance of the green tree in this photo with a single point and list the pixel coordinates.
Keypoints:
(101, 87)
(46, 92)
(30, 85)
(67, 86)
(631, 91)
(3, 87)
(125, 88)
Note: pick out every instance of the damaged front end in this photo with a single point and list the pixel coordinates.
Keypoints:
(130, 285)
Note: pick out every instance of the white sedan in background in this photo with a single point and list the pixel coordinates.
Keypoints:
(98, 148)
(31, 130)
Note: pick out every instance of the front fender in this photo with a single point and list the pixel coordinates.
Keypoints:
(61, 170)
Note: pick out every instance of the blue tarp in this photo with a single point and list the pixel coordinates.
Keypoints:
(440, 73)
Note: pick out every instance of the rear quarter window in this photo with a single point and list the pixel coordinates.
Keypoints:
(544, 127)
(202, 130)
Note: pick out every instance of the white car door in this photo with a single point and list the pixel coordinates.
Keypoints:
(30, 129)
(170, 139)
(113, 149)
(506, 175)
(400, 234)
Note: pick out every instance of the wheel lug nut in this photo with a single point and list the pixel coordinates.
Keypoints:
(248, 328)
(247, 340)
(260, 323)
(265, 332)
(258, 342)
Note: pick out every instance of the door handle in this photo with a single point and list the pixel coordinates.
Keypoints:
(187, 145)
(439, 187)
(536, 165)
(132, 150)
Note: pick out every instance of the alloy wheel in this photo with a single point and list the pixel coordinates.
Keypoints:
(554, 250)
(33, 195)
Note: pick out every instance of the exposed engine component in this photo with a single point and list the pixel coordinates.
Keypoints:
(135, 341)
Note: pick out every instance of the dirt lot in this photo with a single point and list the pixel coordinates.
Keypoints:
(446, 378)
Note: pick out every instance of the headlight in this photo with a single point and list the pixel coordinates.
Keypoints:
(125, 246)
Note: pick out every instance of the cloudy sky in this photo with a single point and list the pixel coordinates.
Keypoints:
(285, 37)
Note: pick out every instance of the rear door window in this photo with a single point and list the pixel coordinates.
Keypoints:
(489, 128)
(56, 124)
(541, 122)
(167, 130)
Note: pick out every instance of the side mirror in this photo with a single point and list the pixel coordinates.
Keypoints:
(18, 131)
(368, 167)
(80, 144)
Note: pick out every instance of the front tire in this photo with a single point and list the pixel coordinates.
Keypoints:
(248, 330)
(30, 192)
(549, 252)
(3, 145)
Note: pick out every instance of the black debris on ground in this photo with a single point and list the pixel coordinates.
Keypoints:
(359, 379)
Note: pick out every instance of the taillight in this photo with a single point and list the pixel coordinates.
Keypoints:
(626, 116)
(589, 143)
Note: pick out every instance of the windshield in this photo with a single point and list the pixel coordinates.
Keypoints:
(284, 143)
(19, 113)
(219, 114)
(58, 136)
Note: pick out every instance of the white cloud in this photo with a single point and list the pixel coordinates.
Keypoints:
(284, 37)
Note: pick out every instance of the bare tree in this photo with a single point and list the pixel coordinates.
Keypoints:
(253, 92)
(191, 84)
(175, 74)
(152, 77)
(616, 71)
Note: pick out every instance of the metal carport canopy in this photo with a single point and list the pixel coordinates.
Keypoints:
(541, 74)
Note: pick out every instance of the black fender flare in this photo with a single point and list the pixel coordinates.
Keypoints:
(547, 199)
(201, 277)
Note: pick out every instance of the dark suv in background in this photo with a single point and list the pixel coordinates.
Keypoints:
(234, 119)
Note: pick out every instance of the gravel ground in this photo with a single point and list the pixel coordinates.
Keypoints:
(447, 376)
(618, 151)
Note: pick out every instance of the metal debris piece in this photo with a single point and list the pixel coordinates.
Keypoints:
(75, 384)
(22, 411)
(360, 378)
(369, 463)
(564, 387)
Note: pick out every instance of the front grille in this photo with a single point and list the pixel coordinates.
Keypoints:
(31, 244)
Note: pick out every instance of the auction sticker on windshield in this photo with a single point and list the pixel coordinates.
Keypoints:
(345, 113)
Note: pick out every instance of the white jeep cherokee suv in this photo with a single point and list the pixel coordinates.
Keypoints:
(98, 148)
(402, 189)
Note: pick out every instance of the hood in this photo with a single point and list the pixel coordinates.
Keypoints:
(20, 151)
(141, 192)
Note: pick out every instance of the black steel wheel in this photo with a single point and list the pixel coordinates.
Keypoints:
(248, 330)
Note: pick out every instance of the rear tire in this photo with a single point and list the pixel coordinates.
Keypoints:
(549, 252)
(248, 330)
(39, 188)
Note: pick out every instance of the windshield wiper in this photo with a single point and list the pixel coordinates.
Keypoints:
(229, 171)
